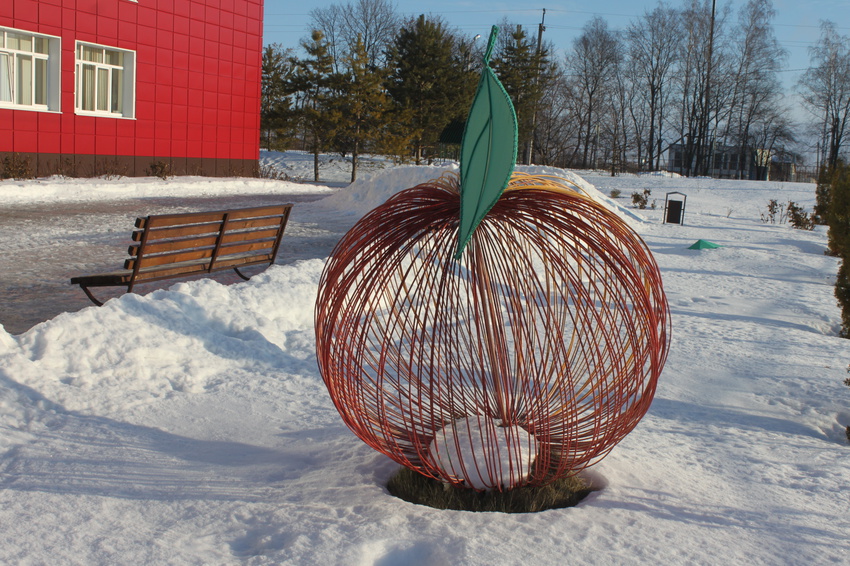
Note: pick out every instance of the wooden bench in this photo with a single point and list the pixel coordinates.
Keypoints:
(180, 245)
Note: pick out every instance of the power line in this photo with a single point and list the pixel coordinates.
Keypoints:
(552, 26)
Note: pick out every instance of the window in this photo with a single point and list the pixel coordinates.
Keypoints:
(105, 81)
(733, 162)
(29, 70)
(677, 159)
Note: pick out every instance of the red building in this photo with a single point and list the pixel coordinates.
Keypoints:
(119, 86)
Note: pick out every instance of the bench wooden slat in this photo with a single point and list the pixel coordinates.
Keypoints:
(254, 247)
(167, 271)
(192, 267)
(185, 244)
(176, 257)
(180, 218)
(205, 228)
(178, 232)
(170, 245)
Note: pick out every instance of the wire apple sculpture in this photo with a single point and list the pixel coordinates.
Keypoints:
(492, 329)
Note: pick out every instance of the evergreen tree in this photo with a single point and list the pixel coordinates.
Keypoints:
(430, 80)
(277, 115)
(838, 219)
(313, 82)
(523, 71)
(834, 188)
(362, 102)
(822, 196)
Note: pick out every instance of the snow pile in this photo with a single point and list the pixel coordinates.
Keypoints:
(372, 190)
(137, 349)
(478, 450)
(584, 186)
(52, 190)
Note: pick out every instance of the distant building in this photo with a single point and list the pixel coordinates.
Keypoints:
(726, 162)
(100, 86)
(451, 138)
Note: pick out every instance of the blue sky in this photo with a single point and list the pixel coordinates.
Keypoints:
(796, 23)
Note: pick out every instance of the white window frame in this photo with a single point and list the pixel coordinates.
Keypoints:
(96, 79)
(19, 93)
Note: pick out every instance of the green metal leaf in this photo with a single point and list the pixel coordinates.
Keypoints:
(488, 151)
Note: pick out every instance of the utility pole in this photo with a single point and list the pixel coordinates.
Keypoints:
(707, 106)
(529, 148)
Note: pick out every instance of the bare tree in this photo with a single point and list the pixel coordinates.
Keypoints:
(756, 91)
(825, 88)
(703, 82)
(653, 49)
(618, 128)
(556, 131)
(373, 22)
(772, 132)
(330, 22)
(591, 67)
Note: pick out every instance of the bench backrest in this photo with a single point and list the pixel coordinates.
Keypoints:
(216, 239)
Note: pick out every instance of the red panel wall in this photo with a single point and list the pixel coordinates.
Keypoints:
(188, 102)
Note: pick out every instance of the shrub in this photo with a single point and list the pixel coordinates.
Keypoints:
(847, 383)
(66, 168)
(106, 169)
(269, 171)
(778, 213)
(615, 193)
(775, 212)
(799, 218)
(640, 200)
(160, 169)
(16, 166)
(842, 294)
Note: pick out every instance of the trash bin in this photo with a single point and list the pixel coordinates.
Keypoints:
(674, 208)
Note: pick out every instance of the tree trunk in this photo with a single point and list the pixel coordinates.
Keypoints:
(355, 151)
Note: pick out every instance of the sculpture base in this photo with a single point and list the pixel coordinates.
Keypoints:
(414, 487)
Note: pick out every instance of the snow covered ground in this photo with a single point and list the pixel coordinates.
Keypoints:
(189, 425)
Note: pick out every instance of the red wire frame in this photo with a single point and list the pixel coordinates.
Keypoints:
(554, 320)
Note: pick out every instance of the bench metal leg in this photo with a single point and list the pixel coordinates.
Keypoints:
(90, 296)
(240, 274)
